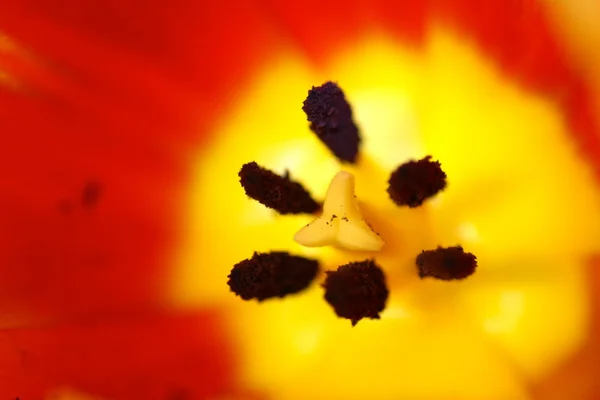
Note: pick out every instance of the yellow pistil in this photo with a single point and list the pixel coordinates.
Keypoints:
(341, 224)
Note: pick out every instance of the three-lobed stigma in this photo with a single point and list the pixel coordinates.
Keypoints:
(341, 224)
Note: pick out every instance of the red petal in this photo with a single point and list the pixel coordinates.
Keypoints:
(120, 357)
(119, 94)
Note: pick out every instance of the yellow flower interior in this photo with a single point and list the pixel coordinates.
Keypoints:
(519, 198)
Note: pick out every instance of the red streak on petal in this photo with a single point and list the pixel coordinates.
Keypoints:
(408, 20)
(319, 27)
(119, 358)
(584, 119)
(147, 55)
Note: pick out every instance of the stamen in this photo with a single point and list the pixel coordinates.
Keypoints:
(274, 274)
(415, 181)
(330, 117)
(357, 290)
(451, 263)
(277, 192)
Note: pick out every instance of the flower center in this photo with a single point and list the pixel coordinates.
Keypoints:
(495, 192)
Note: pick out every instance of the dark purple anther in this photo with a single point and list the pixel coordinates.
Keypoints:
(330, 117)
(274, 274)
(446, 263)
(357, 290)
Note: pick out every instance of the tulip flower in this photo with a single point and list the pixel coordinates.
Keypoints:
(128, 127)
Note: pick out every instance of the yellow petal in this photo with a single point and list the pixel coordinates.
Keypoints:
(516, 184)
(538, 314)
(299, 351)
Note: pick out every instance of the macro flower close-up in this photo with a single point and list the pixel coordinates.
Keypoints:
(272, 200)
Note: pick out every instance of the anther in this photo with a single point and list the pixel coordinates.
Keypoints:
(330, 118)
(415, 181)
(357, 290)
(450, 263)
(277, 192)
(274, 274)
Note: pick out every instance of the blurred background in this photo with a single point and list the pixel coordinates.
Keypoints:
(121, 120)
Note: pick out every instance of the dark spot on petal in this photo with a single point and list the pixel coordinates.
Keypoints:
(91, 194)
(65, 207)
(357, 290)
(277, 192)
(179, 394)
(330, 118)
(415, 181)
(274, 274)
(446, 263)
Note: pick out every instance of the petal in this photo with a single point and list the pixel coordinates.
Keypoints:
(577, 378)
(538, 313)
(99, 101)
(127, 356)
(404, 355)
(105, 94)
(508, 160)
